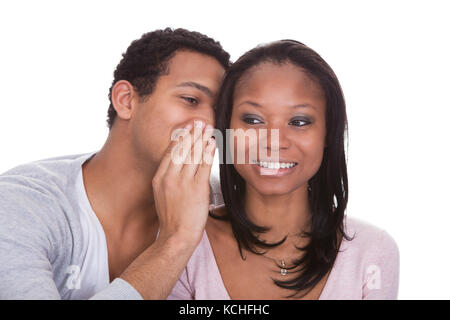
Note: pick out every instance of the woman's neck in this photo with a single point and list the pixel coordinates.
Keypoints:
(287, 214)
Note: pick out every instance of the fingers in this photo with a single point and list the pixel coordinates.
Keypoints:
(204, 169)
(181, 152)
(198, 151)
(172, 150)
(182, 155)
(195, 150)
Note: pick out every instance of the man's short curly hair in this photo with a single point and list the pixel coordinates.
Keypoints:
(147, 58)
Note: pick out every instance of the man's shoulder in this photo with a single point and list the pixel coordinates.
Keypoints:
(45, 175)
(48, 167)
(39, 190)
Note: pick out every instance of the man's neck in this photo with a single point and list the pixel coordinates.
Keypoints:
(119, 190)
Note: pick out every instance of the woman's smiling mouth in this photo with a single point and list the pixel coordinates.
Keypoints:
(276, 165)
(274, 168)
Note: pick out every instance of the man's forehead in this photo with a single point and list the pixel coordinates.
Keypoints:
(194, 70)
(185, 63)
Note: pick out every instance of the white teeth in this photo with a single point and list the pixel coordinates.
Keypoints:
(276, 165)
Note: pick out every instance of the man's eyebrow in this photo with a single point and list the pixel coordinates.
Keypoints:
(303, 105)
(198, 86)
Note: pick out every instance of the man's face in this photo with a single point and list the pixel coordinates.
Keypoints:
(185, 94)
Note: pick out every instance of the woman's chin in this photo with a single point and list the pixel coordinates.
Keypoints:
(272, 182)
(273, 189)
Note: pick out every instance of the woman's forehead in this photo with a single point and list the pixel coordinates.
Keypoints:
(269, 81)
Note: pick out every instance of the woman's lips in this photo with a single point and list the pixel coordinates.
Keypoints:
(281, 168)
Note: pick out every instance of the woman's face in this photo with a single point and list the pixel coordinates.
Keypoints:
(279, 96)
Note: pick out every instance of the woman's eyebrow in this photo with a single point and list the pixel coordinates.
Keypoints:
(198, 86)
(303, 105)
(250, 103)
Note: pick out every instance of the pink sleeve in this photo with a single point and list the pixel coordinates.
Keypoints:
(181, 290)
(381, 276)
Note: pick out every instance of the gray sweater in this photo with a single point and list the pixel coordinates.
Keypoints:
(40, 232)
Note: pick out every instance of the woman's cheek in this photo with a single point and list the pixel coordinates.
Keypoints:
(245, 148)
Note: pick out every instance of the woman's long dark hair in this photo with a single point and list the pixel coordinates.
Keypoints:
(328, 188)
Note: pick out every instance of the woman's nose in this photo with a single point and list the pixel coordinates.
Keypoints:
(276, 139)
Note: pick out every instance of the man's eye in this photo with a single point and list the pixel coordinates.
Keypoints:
(252, 120)
(299, 122)
(190, 100)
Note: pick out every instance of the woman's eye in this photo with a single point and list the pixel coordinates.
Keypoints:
(252, 120)
(299, 122)
(190, 100)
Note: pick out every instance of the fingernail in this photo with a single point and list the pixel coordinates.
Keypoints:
(177, 134)
(198, 124)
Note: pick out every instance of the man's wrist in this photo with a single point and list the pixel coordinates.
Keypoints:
(179, 241)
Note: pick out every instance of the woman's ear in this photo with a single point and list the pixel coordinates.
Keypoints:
(121, 96)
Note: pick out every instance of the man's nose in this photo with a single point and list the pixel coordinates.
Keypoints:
(200, 120)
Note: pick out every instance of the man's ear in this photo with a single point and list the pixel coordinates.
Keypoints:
(122, 96)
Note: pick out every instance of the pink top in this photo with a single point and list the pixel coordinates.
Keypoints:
(366, 267)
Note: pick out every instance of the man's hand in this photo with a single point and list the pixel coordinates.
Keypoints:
(181, 184)
(181, 194)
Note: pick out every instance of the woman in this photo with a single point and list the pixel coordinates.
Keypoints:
(283, 232)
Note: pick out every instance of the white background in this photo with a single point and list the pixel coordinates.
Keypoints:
(392, 58)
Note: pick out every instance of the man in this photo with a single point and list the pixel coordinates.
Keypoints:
(120, 223)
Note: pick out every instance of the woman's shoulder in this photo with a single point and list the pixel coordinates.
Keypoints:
(216, 230)
(369, 239)
(202, 267)
(367, 266)
(218, 227)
